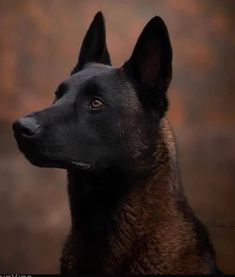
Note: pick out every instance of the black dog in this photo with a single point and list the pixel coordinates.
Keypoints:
(107, 128)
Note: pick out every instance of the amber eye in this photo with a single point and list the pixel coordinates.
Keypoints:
(96, 104)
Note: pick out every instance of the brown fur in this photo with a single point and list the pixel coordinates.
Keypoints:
(156, 232)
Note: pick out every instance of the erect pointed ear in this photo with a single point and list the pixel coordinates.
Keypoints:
(94, 47)
(150, 64)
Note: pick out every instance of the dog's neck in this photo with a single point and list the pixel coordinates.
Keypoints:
(104, 205)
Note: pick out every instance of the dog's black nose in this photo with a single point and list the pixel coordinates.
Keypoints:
(26, 126)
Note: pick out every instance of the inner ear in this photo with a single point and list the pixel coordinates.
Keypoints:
(151, 61)
(94, 48)
(150, 66)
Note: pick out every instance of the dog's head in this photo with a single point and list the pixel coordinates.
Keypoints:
(102, 115)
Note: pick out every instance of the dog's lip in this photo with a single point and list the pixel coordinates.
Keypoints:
(82, 165)
(43, 160)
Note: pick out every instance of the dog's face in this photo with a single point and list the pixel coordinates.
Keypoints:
(103, 116)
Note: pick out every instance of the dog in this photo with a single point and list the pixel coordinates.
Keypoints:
(108, 128)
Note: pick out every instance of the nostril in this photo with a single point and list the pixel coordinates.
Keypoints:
(26, 126)
(28, 131)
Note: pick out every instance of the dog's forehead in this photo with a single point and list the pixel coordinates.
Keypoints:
(92, 71)
(108, 78)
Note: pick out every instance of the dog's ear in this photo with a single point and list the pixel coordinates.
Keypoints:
(94, 47)
(150, 64)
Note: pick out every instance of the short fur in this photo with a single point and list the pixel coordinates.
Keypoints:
(128, 209)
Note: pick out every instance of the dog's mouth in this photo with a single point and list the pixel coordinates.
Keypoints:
(48, 155)
(51, 159)
(82, 165)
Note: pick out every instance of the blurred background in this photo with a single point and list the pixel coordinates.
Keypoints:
(39, 43)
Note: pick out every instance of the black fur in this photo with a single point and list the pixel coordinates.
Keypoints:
(112, 150)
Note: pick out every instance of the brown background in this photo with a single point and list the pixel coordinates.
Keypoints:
(39, 42)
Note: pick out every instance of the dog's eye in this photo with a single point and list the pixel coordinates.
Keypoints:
(96, 104)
